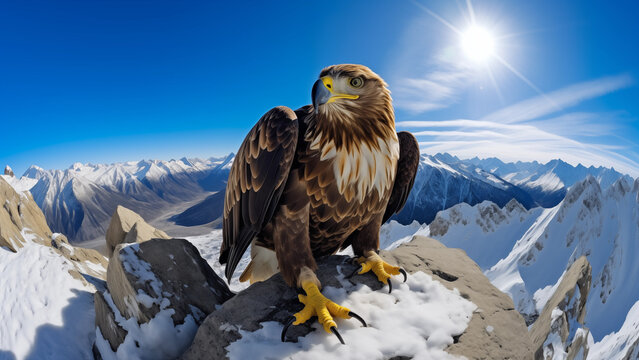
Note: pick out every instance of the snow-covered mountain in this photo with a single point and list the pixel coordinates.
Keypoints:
(546, 183)
(526, 253)
(442, 182)
(80, 200)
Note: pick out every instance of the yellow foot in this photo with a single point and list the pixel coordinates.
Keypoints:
(382, 269)
(316, 304)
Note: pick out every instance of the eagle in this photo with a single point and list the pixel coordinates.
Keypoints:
(307, 183)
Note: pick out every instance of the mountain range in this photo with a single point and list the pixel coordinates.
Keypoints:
(185, 196)
(79, 201)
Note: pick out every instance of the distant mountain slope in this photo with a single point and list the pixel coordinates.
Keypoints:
(525, 253)
(546, 183)
(442, 182)
(80, 200)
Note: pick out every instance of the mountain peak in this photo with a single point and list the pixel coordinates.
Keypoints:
(8, 171)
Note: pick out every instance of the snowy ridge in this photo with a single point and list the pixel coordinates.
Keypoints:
(547, 183)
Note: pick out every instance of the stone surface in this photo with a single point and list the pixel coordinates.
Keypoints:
(87, 261)
(128, 227)
(21, 219)
(273, 300)
(509, 338)
(142, 276)
(105, 320)
(568, 303)
(8, 171)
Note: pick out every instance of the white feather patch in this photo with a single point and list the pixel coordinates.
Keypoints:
(366, 168)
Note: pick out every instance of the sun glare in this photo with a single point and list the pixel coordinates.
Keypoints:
(478, 44)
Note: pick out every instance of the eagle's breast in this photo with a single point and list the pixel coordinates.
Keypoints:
(366, 166)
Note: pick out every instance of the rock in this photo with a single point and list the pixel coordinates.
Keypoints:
(273, 300)
(105, 320)
(565, 308)
(128, 227)
(496, 311)
(87, 261)
(21, 219)
(159, 274)
(8, 171)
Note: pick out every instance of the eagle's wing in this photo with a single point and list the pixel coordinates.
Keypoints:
(258, 176)
(406, 170)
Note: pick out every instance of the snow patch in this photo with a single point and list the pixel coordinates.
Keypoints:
(419, 319)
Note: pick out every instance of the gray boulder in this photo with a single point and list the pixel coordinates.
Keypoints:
(273, 300)
(146, 278)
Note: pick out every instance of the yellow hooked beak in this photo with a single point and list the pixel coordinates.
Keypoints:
(328, 82)
(324, 93)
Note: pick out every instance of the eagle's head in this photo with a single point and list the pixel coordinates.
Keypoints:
(350, 96)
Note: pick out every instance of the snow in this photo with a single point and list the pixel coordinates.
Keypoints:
(527, 253)
(546, 182)
(392, 234)
(149, 340)
(209, 247)
(486, 232)
(44, 312)
(419, 319)
(21, 185)
(622, 344)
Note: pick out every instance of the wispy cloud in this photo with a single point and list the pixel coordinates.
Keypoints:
(524, 132)
(558, 100)
(438, 88)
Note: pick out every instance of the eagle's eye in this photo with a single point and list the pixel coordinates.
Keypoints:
(357, 82)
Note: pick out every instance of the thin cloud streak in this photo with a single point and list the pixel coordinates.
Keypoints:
(552, 102)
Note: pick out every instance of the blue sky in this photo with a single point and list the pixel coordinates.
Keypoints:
(105, 81)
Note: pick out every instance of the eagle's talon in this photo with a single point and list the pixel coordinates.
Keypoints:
(383, 270)
(316, 304)
(334, 331)
(290, 322)
(403, 272)
(352, 314)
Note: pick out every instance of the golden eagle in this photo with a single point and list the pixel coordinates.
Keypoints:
(307, 183)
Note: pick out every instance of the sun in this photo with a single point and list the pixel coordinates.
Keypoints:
(478, 43)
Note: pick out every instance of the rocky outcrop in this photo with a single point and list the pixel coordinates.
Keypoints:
(128, 227)
(563, 314)
(8, 171)
(87, 261)
(495, 331)
(165, 276)
(21, 219)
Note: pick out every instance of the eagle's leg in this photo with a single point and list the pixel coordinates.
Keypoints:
(365, 246)
(292, 245)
